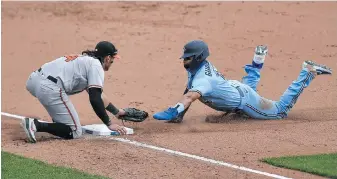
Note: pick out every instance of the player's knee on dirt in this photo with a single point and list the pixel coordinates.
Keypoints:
(77, 133)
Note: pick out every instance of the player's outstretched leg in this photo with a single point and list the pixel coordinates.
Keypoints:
(261, 108)
(253, 71)
(309, 71)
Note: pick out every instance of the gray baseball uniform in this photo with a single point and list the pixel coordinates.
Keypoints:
(67, 75)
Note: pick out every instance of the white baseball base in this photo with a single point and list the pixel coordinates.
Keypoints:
(102, 130)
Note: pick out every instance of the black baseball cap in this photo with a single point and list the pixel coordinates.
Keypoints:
(105, 48)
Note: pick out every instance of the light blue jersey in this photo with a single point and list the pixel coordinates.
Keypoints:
(231, 95)
(216, 91)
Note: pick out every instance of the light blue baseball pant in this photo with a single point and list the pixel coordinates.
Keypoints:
(258, 107)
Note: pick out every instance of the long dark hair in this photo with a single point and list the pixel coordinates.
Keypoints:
(92, 53)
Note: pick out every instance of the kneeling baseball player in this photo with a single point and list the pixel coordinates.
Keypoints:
(68, 75)
(231, 96)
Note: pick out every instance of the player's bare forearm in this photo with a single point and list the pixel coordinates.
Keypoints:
(189, 98)
(184, 110)
(175, 113)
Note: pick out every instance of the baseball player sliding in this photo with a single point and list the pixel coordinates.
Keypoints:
(214, 90)
(68, 75)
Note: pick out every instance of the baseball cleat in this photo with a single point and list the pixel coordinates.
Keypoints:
(29, 128)
(259, 56)
(261, 50)
(319, 69)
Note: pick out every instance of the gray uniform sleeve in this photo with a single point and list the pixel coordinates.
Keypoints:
(95, 76)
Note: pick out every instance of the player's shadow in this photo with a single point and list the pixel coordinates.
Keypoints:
(226, 118)
(22, 140)
(311, 114)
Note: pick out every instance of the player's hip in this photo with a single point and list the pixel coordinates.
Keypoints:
(259, 107)
(226, 100)
(43, 87)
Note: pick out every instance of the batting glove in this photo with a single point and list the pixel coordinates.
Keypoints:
(167, 115)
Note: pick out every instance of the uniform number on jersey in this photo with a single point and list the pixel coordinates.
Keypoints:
(70, 57)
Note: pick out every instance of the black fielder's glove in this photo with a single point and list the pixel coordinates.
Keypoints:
(134, 115)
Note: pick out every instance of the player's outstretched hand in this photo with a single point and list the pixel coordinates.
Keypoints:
(167, 115)
(120, 129)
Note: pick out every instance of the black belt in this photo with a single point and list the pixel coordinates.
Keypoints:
(236, 110)
(242, 94)
(240, 91)
(49, 77)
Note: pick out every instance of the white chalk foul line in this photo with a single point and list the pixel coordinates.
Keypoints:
(217, 162)
(197, 157)
(12, 115)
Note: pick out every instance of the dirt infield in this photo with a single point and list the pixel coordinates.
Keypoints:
(150, 37)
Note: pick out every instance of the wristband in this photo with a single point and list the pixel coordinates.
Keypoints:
(180, 107)
(111, 108)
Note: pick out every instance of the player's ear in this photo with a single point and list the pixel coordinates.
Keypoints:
(106, 59)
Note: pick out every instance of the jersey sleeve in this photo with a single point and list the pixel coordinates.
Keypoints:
(201, 86)
(95, 76)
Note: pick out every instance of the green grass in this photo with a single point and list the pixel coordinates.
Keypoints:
(14, 166)
(322, 164)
